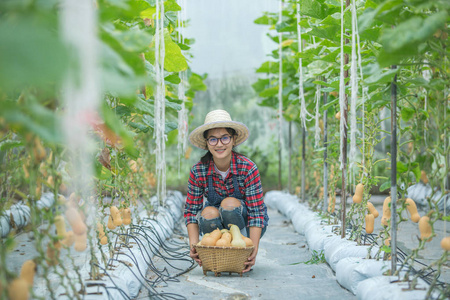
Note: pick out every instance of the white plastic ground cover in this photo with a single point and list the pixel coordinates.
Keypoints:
(344, 256)
(351, 271)
(388, 288)
(421, 192)
(18, 216)
(129, 261)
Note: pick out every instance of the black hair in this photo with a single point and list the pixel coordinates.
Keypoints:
(208, 155)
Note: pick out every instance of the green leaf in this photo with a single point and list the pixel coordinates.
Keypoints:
(31, 52)
(174, 61)
(407, 113)
(196, 82)
(386, 249)
(260, 85)
(144, 106)
(416, 172)
(268, 67)
(385, 185)
(401, 167)
(265, 20)
(9, 144)
(173, 78)
(381, 77)
(412, 32)
(269, 92)
(313, 8)
(171, 5)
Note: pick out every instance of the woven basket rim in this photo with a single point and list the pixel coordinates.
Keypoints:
(220, 247)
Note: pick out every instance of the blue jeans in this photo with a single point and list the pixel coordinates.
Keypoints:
(237, 216)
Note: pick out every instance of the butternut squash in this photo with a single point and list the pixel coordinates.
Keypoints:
(126, 216)
(338, 115)
(445, 243)
(248, 241)
(412, 208)
(80, 242)
(111, 224)
(115, 214)
(424, 177)
(372, 209)
(425, 229)
(212, 239)
(52, 254)
(27, 271)
(237, 240)
(60, 225)
(104, 240)
(331, 204)
(386, 211)
(75, 220)
(359, 191)
(69, 239)
(205, 235)
(370, 222)
(387, 241)
(18, 289)
(225, 240)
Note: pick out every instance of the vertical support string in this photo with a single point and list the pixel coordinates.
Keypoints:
(182, 113)
(317, 127)
(160, 103)
(303, 112)
(280, 92)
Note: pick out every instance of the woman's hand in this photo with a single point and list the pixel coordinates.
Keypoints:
(194, 255)
(251, 260)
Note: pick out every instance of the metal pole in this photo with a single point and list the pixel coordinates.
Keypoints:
(394, 173)
(290, 156)
(325, 154)
(344, 115)
(303, 162)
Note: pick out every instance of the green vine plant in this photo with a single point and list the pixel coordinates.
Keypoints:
(372, 138)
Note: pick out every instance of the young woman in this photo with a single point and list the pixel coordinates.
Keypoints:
(229, 181)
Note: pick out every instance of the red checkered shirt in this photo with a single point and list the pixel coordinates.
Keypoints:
(249, 185)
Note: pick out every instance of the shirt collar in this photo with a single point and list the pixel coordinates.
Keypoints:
(233, 167)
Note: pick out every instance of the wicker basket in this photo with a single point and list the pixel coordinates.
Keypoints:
(223, 259)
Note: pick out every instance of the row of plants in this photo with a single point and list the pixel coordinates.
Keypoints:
(401, 53)
(34, 154)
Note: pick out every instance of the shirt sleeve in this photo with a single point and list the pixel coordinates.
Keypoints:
(254, 198)
(194, 200)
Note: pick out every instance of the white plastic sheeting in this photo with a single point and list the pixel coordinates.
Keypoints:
(387, 288)
(19, 215)
(421, 192)
(354, 271)
(351, 271)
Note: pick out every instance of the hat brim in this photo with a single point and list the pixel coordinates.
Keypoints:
(197, 139)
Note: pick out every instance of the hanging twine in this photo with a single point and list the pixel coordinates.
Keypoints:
(317, 128)
(354, 87)
(364, 96)
(342, 107)
(160, 98)
(280, 75)
(182, 113)
(303, 112)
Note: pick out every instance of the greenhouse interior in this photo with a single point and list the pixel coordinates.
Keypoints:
(206, 149)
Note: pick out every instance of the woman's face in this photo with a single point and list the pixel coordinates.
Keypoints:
(220, 151)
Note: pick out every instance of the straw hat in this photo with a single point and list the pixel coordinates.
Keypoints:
(218, 119)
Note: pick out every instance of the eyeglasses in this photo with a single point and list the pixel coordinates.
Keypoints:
(213, 141)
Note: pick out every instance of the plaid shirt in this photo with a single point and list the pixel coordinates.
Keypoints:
(248, 180)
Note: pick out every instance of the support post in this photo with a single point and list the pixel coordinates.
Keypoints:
(325, 154)
(290, 158)
(303, 162)
(394, 173)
